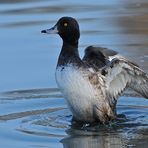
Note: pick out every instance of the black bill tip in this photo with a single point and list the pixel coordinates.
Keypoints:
(43, 31)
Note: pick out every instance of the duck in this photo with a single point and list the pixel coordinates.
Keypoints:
(92, 85)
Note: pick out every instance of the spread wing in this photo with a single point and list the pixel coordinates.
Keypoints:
(120, 74)
(97, 57)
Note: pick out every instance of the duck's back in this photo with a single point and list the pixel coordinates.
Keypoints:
(98, 57)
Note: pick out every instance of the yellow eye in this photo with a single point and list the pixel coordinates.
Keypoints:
(65, 24)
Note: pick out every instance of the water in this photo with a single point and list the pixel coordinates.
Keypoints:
(33, 112)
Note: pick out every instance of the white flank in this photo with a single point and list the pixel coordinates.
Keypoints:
(77, 91)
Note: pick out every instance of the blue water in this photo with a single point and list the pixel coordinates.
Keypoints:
(33, 112)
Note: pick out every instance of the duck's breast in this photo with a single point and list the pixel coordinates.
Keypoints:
(77, 90)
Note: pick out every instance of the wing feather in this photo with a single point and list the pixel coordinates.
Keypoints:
(98, 57)
(120, 74)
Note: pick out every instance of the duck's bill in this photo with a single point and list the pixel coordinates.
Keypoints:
(52, 30)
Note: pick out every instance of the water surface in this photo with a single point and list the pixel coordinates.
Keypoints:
(33, 112)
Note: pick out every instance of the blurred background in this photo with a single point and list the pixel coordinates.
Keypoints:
(28, 58)
(32, 111)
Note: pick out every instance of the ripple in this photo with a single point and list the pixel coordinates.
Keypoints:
(53, 8)
(55, 121)
(31, 94)
(13, 116)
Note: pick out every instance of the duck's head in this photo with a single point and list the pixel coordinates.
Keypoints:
(67, 28)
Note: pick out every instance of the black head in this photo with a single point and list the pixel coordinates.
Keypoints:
(67, 28)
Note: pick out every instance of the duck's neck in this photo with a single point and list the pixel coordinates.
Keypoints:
(69, 54)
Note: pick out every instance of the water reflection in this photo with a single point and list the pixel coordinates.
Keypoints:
(54, 121)
(108, 140)
(105, 141)
(107, 136)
